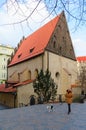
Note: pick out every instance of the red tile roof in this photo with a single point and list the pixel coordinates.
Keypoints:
(36, 43)
(23, 83)
(6, 90)
(81, 58)
(13, 87)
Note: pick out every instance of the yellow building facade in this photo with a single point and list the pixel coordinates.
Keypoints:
(5, 54)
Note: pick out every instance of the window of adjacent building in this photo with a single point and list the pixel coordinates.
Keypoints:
(1, 82)
(4, 75)
(4, 66)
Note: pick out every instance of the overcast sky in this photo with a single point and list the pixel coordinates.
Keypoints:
(12, 34)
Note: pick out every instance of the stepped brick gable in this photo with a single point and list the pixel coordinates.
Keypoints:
(60, 42)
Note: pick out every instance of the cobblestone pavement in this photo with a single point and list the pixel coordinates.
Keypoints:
(2, 107)
(37, 117)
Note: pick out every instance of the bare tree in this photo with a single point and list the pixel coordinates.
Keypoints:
(74, 9)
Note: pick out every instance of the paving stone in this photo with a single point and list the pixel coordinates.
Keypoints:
(37, 117)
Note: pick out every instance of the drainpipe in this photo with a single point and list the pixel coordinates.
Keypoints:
(42, 62)
(47, 60)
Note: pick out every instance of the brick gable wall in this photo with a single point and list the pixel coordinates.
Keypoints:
(60, 41)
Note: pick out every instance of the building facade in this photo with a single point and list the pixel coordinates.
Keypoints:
(5, 54)
(81, 64)
(50, 47)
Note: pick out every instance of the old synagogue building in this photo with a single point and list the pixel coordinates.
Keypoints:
(48, 47)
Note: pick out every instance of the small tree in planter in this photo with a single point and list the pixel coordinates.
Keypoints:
(45, 86)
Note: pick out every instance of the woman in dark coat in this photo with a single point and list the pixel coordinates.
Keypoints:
(32, 100)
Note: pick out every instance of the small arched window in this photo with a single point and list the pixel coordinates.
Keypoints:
(57, 74)
(54, 44)
(36, 73)
(29, 74)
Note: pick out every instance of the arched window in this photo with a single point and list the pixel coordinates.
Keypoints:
(54, 44)
(36, 73)
(29, 74)
(57, 74)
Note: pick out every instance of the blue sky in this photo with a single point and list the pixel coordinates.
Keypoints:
(12, 34)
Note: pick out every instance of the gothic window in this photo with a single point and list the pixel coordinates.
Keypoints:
(60, 49)
(59, 26)
(36, 73)
(54, 44)
(54, 36)
(29, 74)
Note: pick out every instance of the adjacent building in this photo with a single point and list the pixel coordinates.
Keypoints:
(81, 64)
(5, 54)
(50, 47)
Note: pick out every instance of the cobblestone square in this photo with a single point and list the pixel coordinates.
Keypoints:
(37, 117)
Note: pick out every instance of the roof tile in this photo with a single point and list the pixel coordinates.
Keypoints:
(81, 58)
(4, 89)
(36, 43)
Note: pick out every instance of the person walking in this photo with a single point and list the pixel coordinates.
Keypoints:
(32, 100)
(69, 97)
(60, 99)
